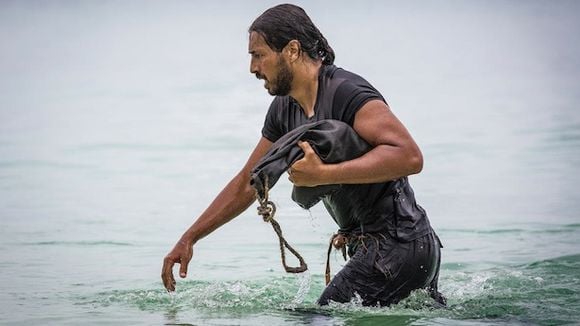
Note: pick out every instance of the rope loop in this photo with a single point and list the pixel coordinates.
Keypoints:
(267, 210)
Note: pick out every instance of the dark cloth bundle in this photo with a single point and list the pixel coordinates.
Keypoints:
(334, 141)
(357, 208)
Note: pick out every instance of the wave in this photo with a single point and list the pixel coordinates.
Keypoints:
(542, 292)
(42, 164)
(545, 292)
(78, 243)
(564, 228)
(214, 144)
(234, 296)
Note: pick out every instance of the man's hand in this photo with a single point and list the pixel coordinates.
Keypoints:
(309, 171)
(180, 254)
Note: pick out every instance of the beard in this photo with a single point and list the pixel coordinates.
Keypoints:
(282, 85)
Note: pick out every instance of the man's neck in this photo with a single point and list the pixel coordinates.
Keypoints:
(305, 86)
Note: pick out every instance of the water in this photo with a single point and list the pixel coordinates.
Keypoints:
(120, 121)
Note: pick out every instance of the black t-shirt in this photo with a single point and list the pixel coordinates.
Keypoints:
(340, 95)
(377, 207)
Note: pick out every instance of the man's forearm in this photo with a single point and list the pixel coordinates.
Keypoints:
(383, 163)
(234, 199)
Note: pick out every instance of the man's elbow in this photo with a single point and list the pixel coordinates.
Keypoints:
(244, 184)
(415, 162)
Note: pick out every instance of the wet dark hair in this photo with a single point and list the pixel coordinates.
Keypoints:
(284, 23)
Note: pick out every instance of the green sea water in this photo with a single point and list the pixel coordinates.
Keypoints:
(121, 121)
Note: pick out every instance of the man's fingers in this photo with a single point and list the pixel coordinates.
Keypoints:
(167, 274)
(306, 147)
(183, 268)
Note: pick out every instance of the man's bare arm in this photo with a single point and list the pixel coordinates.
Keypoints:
(235, 198)
(395, 153)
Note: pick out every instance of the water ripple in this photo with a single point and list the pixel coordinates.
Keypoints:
(77, 243)
(543, 292)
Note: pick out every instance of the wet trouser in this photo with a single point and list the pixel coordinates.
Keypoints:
(383, 271)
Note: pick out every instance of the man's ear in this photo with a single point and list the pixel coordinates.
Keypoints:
(293, 50)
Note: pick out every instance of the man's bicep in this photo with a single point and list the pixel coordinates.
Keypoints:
(376, 123)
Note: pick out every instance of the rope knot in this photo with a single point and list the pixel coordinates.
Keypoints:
(267, 209)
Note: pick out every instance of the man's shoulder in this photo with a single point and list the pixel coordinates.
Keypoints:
(335, 72)
(345, 83)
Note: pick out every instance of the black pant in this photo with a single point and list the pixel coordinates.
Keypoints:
(383, 271)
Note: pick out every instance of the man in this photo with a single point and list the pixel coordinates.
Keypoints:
(392, 247)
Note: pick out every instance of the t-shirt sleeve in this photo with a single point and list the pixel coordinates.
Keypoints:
(350, 97)
(272, 124)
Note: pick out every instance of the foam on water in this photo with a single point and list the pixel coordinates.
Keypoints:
(543, 292)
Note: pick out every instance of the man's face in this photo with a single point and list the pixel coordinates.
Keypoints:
(270, 66)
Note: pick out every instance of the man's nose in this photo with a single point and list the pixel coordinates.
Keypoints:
(253, 67)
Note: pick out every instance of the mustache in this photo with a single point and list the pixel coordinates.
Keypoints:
(260, 76)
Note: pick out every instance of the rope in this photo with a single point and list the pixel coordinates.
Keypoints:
(338, 241)
(267, 209)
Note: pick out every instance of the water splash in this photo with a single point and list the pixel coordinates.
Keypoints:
(544, 292)
(278, 293)
(304, 281)
(314, 222)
